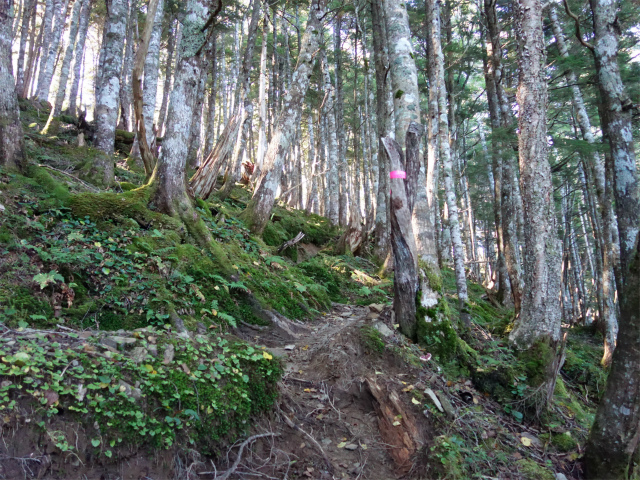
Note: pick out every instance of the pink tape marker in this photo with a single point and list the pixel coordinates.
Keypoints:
(397, 174)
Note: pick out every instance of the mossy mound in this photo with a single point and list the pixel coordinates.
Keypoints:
(530, 470)
(160, 390)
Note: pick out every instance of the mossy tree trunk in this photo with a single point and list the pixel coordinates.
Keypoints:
(11, 137)
(169, 182)
(538, 325)
(259, 208)
(615, 434)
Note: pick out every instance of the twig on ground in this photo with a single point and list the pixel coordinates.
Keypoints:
(289, 422)
(86, 185)
(233, 468)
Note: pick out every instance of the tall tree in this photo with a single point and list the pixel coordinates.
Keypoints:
(169, 182)
(108, 87)
(79, 55)
(615, 434)
(538, 326)
(259, 208)
(59, 93)
(29, 9)
(11, 137)
(616, 125)
(447, 162)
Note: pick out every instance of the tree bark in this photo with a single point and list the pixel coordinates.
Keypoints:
(79, 55)
(108, 88)
(148, 159)
(615, 432)
(539, 320)
(66, 62)
(28, 11)
(447, 162)
(53, 23)
(595, 170)
(616, 125)
(259, 208)
(11, 136)
(382, 244)
(169, 181)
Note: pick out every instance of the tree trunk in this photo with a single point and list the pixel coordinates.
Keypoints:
(447, 162)
(539, 320)
(333, 147)
(615, 432)
(616, 125)
(126, 120)
(139, 64)
(66, 62)
(338, 111)
(108, 88)
(381, 228)
(53, 25)
(11, 136)
(595, 170)
(30, 62)
(234, 170)
(169, 181)
(262, 97)
(79, 54)
(259, 208)
(29, 7)
(405, 253)
(213, 92)
(174, 34)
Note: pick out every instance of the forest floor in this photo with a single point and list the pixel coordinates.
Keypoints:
(128, 352)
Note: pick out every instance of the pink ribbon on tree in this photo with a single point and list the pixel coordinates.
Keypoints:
(397, 174)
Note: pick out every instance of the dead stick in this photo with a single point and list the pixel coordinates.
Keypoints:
(237, 462)
(289, 422)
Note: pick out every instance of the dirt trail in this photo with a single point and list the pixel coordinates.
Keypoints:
(339, 416)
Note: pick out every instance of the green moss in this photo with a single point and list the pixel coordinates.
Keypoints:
(535, 360)
(113, 206)
(530, 470)
(564, 442)
(127, 186)
(433, 275)
(58, 192)
(371, 339)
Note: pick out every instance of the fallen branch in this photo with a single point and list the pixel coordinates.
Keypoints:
(88, 186)
(233, 468)
(290, 423)
(291, 242)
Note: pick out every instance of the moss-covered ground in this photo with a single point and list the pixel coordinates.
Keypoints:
(75, 257)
